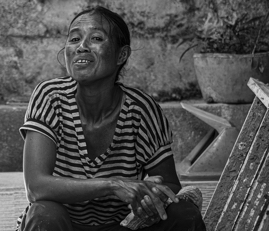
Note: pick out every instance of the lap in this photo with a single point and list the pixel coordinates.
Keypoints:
(181, 216)
(184, 216)
(44, 215)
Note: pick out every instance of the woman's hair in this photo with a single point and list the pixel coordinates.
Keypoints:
(119, 31)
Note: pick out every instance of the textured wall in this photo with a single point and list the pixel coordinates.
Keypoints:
(33, 31)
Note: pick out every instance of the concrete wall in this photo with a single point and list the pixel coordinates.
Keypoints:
(33, 31)
(187, 129)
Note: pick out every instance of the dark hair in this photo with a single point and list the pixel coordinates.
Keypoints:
(118, 28)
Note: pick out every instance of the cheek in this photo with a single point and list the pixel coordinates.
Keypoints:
(107, 53)
(67, 53)
(67, 57)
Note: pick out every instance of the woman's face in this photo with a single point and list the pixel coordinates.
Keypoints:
(90, 53)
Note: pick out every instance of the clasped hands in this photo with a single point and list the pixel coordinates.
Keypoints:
(146, 198)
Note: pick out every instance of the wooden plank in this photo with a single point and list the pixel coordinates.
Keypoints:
(256, 205)
(260, 90)
(265, 222)
(234, 163)
(245, 179)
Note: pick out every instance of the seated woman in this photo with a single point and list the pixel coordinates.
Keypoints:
(90, 141)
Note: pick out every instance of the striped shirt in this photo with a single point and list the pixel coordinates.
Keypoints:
(142, 140)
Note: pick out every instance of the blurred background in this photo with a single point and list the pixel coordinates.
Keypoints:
(32, 32)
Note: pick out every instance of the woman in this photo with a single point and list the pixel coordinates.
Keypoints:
(90, 141)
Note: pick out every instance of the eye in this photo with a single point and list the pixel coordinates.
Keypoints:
(74, 39)
(97, 38)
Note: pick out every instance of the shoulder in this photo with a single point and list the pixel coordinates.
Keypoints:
(51, 93)
(152, 116)
(142, 100)
(47, 89)
(63, 85)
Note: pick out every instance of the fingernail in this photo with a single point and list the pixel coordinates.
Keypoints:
(164, 217)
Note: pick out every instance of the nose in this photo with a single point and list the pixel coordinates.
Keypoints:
(83, 47)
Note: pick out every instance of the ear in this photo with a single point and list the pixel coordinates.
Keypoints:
(61, 57)
(124, 54)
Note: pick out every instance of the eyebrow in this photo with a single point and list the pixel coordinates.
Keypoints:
(77, 29)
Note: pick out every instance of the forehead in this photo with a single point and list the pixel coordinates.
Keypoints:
(91, 21)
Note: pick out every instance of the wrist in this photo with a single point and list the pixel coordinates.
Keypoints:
(114, 185)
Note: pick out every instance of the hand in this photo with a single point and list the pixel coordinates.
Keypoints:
(157, 180)
(147, 204)
(145, 197)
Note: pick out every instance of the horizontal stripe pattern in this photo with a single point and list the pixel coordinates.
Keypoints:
(141, 141)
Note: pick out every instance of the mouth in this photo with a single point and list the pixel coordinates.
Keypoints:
(82, 61)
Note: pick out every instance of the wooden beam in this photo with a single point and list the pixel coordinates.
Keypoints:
(245, 178)
(255, 207)
(260, 90)
(234, 164)
(241, 199)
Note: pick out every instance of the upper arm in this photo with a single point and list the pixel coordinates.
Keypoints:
(39, 131)
(154, 141)
(39, 157)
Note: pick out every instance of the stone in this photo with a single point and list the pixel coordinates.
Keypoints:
(11, 144)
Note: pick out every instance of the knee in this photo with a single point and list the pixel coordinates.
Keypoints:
(47, 215)
(47, 210)
(186, 214)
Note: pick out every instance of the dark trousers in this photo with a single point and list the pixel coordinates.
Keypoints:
(51, 216)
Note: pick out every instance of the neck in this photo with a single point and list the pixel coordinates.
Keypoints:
(97, 104)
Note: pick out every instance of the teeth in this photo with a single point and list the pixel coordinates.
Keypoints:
(83, 61)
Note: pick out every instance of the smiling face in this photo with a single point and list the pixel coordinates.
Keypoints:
(90, 52)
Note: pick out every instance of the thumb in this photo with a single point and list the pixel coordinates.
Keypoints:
(155, 179)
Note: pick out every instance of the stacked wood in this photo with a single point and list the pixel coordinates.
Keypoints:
(241, 198)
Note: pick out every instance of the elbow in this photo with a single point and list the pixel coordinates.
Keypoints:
(34, 193)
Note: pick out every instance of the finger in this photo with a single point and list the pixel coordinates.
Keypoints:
(160, 194)
(158, 180)
(155, 179)
(141, 213)
(168, 192)
(138, 210)
(158, 205)
(148, 206)
(135, 207)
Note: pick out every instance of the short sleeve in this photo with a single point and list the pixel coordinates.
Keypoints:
(41, 115)
(154, 137)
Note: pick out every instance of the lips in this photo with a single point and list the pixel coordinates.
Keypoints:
(83, 60)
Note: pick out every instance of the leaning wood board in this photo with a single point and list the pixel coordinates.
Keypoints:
(241, 198)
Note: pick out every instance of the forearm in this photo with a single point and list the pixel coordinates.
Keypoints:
(67, 190)
(168, 173)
